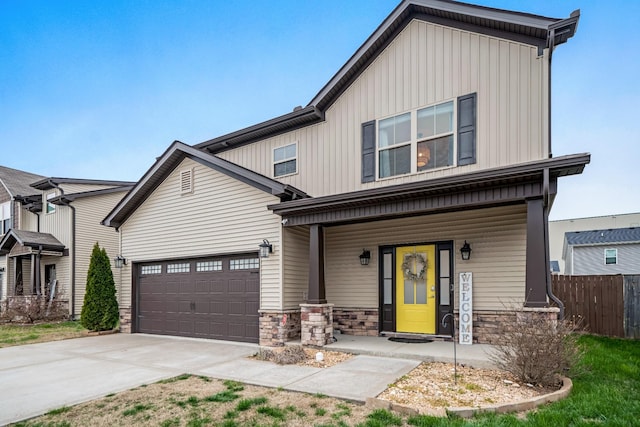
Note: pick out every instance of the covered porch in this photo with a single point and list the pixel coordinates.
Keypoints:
(413, 234)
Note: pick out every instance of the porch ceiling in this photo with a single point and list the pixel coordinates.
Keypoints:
(487, 188)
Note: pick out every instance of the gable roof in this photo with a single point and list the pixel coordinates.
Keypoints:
(30, 239)
(603, 237)
(171, 158)
(534, 30)
(17, 182)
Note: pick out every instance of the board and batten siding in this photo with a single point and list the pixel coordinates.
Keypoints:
(222, 216)
(497, 237)
(89, 212)
(295, 266)
(425, 65)
(590, 259)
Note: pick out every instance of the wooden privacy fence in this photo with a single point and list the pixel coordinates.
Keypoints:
(605, 305)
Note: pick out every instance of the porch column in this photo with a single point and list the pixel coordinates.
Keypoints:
(38, 282)
(537, 263)
(316, 291)
(32, 277)
(316, 316)
(17, 276)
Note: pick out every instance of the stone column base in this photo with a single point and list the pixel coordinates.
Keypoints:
(125, 320)
(316, 324)
(278, 327)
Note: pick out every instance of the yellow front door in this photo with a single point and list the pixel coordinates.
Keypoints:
(416, 289)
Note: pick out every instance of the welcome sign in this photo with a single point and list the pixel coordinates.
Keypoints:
(466, 308)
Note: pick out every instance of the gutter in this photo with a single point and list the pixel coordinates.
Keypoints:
(73, 247)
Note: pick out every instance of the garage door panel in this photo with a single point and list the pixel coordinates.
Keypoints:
(216, 303)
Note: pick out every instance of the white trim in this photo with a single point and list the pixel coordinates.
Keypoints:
(616, 256)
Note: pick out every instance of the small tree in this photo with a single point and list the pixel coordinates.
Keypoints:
(100, 308)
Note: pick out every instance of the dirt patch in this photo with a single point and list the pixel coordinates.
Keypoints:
(302, 356)
(190, 400)
(431, 386)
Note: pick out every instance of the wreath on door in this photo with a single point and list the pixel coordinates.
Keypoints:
(420, 263)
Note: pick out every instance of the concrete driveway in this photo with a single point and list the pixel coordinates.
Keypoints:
(37, 378)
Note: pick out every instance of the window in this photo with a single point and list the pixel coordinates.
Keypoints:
(285, 160)
(151, 269)
(436, 124)
(244, 264)
(51, 208)
(610, 256)
(183, 267)
(208, 266)
(394, 145)
(186, 181)
(5, 217)
(437, 136)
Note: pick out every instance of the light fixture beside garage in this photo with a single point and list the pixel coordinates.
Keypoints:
(120, 261)
(265, 248)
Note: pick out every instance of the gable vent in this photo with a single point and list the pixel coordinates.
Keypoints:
(186, 181)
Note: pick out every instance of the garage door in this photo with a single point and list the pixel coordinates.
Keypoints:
(214, 297)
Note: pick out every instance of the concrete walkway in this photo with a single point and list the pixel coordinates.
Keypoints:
(37, 378)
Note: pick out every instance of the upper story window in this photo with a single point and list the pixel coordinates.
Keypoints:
(5, 217)
(51, 208)
(610, 256)
(437, 136)
(285, 160)
(425, 135)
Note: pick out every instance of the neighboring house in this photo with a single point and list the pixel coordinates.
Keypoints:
(557, 230)
(47, 253)
(432, 138)
(13, 182)
(613, 251)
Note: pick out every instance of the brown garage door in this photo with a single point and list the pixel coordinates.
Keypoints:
(214, 297)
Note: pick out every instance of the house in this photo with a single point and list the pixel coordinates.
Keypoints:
(426, 157)
(612, 251)
(55, 222)
(558, 228)
(13, 182)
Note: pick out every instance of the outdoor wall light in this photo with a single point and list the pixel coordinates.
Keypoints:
(465, 251)
(120, 261)
(365, 257)
(265, 248)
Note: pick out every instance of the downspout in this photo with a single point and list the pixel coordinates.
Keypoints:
(545, 192)
(73, 248)
(552, 42)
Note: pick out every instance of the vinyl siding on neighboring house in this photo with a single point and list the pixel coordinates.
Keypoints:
(590, 259)
(425, 65)
(89, 212)
(28, 220)
(57, 223)
(221, 216)
(497, 237)
(296, 266)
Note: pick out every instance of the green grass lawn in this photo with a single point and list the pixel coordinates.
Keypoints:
(606, 391)
(11, 335)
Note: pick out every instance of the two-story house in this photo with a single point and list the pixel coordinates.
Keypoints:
(427, 156)
(604, 251)
(13, 182)
(46, 252)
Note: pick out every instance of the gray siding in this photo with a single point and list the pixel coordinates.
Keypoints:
(589, 260)
(426, 64)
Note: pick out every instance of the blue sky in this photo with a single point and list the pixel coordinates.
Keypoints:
(99, 89)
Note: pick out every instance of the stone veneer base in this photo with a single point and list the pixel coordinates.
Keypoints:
(316, 324)
(125, 320)
(356, 321)
(278, 327)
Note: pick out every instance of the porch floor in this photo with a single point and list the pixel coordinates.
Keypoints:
(476, 355)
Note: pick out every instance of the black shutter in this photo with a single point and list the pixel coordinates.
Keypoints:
(369, 151)
(467, 129)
